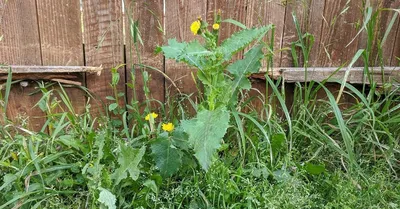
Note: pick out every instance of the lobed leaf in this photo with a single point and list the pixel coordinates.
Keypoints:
(206, 132)
(167, 157)
(241, 39)
(129, 159)
(241, 68)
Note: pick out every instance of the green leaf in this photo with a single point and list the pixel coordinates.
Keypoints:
(8, 180)
(110, 98)
(241, 39)
(112, 106)
(235, 22)
(192, 53)
(107, 198)
(206, 132)
(151, 184)
(241, 68)
(129, 159)
(180, 139)
(167, 157)
(314, 169)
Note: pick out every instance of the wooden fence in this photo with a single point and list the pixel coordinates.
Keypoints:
(97, 33)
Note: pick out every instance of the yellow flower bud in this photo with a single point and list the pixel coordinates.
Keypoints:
(195, 27)
(216, 26)
(153, 115)
(168, 127)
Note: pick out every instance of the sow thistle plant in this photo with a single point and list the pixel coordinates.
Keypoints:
(221, 78)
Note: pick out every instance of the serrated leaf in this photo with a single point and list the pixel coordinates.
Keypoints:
(241, 39)
(205, 133)
(241, 68)
(129, 159)
(168, 159)
(107, 198)
(192, 53)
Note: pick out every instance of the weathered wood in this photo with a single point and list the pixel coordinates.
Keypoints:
(179, 15)
(339, 28)
(260, 13)
(230, 9)
(309, 14)
(61, 41)
(390, 74)
(60, 32)
(384, 19)
(20, 45)
(103, 39)
(395, 61)
(22, 69)
(149, 17)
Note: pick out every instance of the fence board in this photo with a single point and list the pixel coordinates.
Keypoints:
(310, 16)
(61, 40)
(338, 30)
(20, 46)
(103, 39)
(179, 15)
(149, 14)
(230, 9)
(261, 12)
(384, 20)
(396, 48)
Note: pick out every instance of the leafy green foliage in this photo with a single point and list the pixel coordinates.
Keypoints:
(206, 132)
(192, 53)
(167, 157)
(107, 198)
(241, 39)
(129, 159)
(242, 68)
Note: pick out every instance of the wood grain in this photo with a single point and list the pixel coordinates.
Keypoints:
(21, 46)
(383, 22)
(319, 74)
(149, 14)
(21, 69)
(260, 13)
(179, 15)
(339, 28)
(395, 61)
(61, 41)
(309, 14)
(103, 39)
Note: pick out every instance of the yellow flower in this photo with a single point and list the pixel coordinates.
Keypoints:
(153, 115)
(168, 127)
(216, 26)
(195, 27)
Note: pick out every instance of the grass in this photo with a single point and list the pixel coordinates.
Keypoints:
(317, 152)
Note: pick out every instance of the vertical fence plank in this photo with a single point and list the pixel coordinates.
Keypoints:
(149, 17)
(178, 17)
(61, 39)
(103, 39)
(339, 28)
(395, 61)
(260, 12)
(230, 9)
(20, 46)
(384, 19)
(309, 14)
